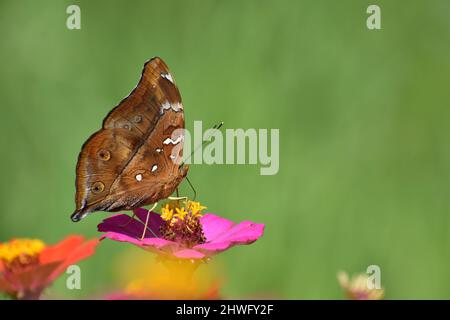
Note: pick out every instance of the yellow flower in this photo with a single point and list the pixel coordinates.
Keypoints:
(181, 213)
(17, 248)
(166, 213)
(195, 207)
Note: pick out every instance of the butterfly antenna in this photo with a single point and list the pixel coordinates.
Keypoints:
(217, 126)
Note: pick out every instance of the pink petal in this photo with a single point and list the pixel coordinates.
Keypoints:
(243, 233)
(121, 237)
(157, 245)
(122, 223)
(154, 221)
(188, 254)
(214, 226)
(158, 242)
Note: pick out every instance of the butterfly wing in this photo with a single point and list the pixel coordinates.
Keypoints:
(134, 159)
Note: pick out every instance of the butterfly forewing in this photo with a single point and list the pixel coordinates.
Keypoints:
(134, 159)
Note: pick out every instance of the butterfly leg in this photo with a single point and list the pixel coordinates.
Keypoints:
(146, 222)
(177, 198)
(192, 187)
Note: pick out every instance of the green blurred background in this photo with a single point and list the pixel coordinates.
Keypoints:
(363, 118)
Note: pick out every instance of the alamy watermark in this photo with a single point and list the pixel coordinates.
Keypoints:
(230, 146)
(73, 281)
(374, 278)
(373, 22)
(73, 21)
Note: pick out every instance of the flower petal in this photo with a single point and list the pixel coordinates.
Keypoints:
(157, 245)
(35, 279)
(189, 254)
(121, 237)
(243, 233)
(213, 226)
(154, 221)
(59, 251)
(67, 252)
(79, 253)
(122, 223)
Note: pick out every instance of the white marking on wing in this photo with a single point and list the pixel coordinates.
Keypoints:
(154, 168)
(176, 141)
(167, 76)
(139, 177)
(167, 105)
(177, 107)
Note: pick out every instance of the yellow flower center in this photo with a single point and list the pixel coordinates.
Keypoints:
(181, 213)
(195, 207)
(166, 213)
(182, 222)
(20, 253)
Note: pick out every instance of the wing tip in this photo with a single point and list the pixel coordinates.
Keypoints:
(79, 215)
(76, 216)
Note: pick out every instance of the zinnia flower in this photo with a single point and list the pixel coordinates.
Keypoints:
(181, 231)
(28, 266)
(357, 287)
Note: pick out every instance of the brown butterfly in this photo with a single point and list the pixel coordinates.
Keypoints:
(135, 159)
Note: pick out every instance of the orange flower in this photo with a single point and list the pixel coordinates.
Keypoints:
(28, 266)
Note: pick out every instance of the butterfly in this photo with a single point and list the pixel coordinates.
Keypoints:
(135, 159)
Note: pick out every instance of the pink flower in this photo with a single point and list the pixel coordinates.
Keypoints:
(183, 235)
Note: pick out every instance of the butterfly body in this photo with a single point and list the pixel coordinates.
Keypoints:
(135, 158)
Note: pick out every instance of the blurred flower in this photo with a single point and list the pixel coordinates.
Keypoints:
(181, 231)
(148, 277)
(28, 266)
(212, 294)
(357, 287)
